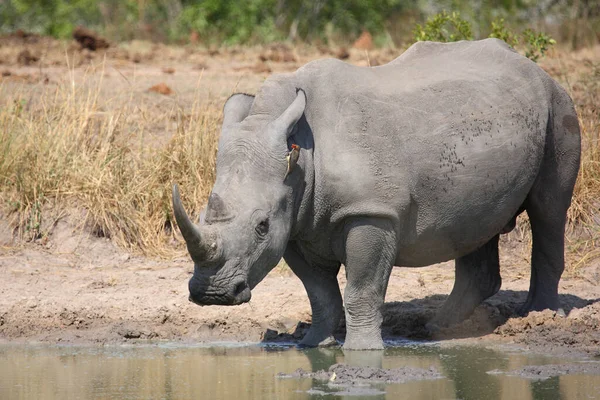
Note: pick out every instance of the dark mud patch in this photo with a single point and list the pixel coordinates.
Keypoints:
(579, 329)
(573, 330)
(344, 376)
(542, 372)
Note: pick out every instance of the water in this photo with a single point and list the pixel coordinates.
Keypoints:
(249, 372)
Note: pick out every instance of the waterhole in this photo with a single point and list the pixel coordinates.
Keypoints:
(176, 371)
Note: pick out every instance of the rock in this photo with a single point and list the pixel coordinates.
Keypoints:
(278, 52)
(364, 41)
(89, 39)
(161, 88)
(342, 53)
(194, 37)
(25, 57)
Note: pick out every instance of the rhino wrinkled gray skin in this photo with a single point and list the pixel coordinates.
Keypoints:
(426, 159)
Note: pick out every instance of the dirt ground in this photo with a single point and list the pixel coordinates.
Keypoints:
(75, 287)
(81, 289)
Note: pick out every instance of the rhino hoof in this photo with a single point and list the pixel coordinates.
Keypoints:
(327, 342)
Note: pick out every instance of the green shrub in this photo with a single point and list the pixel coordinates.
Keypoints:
(229, 22)
(499, 31)
(444, 27)
(536, 44)
(55, 18)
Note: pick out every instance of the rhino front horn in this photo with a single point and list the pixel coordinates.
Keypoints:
(193, 238)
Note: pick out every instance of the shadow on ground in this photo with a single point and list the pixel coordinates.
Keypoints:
(498, 314)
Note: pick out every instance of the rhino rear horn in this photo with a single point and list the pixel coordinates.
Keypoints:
(287, 121)
(193, 238)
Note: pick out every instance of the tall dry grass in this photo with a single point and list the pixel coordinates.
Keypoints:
(71, 150)
(583, 84)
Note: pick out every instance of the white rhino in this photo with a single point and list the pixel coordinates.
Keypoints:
(425, 159)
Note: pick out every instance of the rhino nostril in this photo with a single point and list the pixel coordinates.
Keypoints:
(239, 288)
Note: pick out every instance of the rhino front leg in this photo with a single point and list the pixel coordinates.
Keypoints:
(370, 253)
(323, 292)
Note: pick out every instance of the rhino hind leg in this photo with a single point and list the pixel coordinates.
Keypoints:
(547, 262)
(548, 202)
(477, 277)
(547, 215)
(324, 295)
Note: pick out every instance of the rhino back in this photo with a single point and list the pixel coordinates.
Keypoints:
(446, 141)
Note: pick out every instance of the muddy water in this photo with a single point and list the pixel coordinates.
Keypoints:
(250, 372)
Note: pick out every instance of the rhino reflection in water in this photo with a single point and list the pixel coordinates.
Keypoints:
(426, 159)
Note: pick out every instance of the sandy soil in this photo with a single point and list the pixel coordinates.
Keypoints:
(78, 288)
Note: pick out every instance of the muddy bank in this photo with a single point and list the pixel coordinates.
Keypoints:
(348, 375)
(542, 372)
(546, 329)
(354, 381)
(78, 288)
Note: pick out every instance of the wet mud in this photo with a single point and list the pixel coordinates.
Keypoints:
(542, 372)
(356, 380)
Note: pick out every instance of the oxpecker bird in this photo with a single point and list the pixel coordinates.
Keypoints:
(292, 159)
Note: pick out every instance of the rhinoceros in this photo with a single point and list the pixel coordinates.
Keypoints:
(425, 159)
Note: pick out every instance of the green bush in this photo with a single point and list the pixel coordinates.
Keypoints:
(537, 43)
(499, 31)
(444, 27)
(54, 18)
(229, 22)
(216, 21)
(255, 21)
(268, 20)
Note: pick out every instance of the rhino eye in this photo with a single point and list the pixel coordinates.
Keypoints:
(263, 227)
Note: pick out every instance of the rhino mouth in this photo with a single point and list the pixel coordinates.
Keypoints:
(237, 293)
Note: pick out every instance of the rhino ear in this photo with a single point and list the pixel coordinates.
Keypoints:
(288, 120)
(237, 107)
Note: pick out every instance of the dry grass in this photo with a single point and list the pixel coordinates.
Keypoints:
(72, 147)
(580, 75)
(584, 88)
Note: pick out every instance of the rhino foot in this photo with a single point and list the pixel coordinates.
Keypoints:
(477, 278)
(539, 303)
(364, 342)
(327, 342)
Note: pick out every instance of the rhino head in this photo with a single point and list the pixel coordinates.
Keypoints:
(249, 216)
